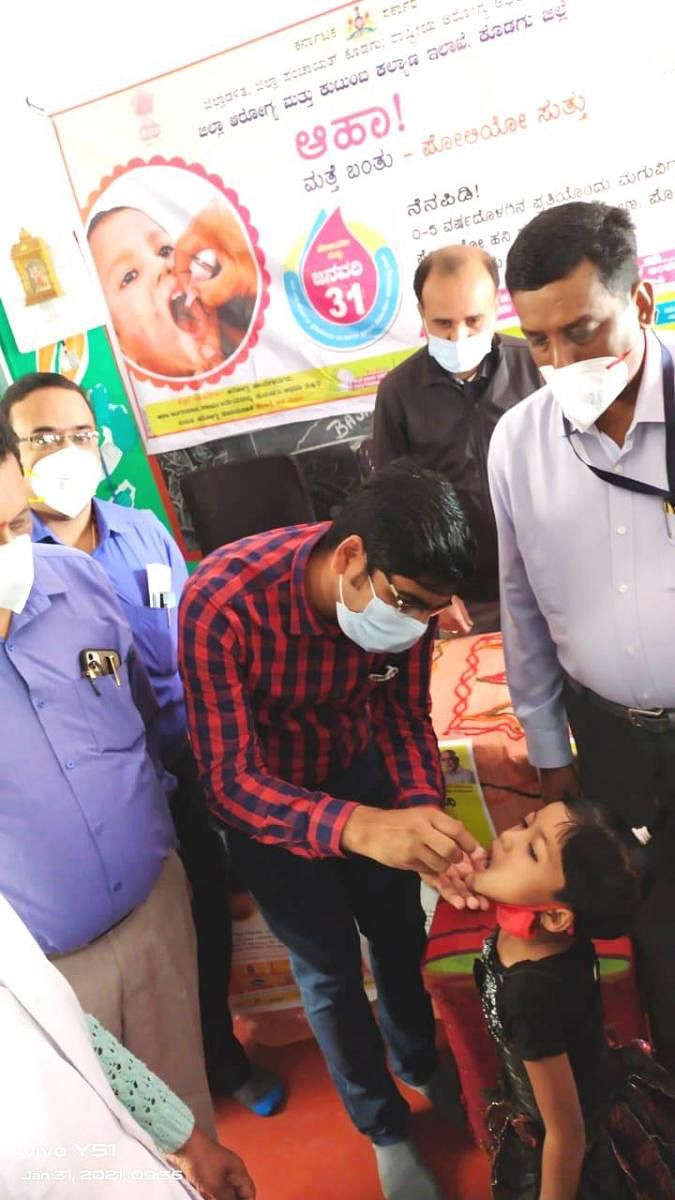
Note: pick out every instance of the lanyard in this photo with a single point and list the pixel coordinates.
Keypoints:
(638, 485)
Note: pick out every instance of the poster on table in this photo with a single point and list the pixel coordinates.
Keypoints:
(261, 979)
(464, 799)
(256, 218)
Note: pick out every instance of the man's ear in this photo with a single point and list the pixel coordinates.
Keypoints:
(644, 299)
(350, 552)
(557, 920)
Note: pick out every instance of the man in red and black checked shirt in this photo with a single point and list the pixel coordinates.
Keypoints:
(306, 655)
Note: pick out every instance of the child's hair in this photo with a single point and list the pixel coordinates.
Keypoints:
(104, 214)
(604, 880)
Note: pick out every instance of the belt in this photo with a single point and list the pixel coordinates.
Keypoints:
(653, 720)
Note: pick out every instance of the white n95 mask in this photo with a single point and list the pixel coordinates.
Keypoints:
(585, 390)
(66, 480)
(380, 628)
(460, 357)
(17, 573)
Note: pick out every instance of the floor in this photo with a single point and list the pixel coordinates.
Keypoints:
(310, 1150)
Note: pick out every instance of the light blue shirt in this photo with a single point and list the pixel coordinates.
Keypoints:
(587, 570)
(84, 821)
(129, 539)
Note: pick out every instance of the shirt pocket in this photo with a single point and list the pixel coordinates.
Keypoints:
(155, 633)
(110, 713)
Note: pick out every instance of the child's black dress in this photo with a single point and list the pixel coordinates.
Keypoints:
(541, 1009)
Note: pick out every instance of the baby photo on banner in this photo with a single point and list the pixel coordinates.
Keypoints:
(256, 218)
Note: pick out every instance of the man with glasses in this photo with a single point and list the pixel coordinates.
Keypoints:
(306, 655)
(87, 855)
(583, 484)
(59, 446)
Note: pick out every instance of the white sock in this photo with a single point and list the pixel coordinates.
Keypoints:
(403, 1175)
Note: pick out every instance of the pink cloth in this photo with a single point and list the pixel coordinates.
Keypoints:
(470, 700)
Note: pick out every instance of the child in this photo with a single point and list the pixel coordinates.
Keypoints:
(576, 1119)
(158, 329)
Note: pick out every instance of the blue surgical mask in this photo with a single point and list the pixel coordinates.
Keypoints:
(460, 357)
(380, 628)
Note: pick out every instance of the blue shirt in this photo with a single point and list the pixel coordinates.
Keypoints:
(129, 539)
(84, 821)
(587, 570)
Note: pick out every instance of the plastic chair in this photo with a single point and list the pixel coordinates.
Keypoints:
(233, 500)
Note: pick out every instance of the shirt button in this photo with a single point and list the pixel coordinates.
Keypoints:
(10, 645)
(98, 830)
(69, 764)
(630, 650)
(619, 469)
(623, 588)
(42, 704)
(117, 887)
(621, 529)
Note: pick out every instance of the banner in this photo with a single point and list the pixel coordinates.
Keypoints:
(256, 218)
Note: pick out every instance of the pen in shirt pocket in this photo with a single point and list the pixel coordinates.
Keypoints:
(160, 593)
(167, 600)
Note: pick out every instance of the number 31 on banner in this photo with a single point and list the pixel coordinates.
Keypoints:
(341, 301)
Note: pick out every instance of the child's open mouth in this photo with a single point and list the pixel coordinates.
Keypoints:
(189, 318)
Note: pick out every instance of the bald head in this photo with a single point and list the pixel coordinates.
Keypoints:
(450, 260)
(456, 289)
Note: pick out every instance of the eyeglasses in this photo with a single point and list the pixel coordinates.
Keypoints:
(50, 440)
(409, 607)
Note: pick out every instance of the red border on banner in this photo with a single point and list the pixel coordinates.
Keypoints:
(241, 353)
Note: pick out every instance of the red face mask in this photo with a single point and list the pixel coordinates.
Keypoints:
(521, 921)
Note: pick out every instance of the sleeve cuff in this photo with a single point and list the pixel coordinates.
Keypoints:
(548, 748)
(416, 799)
(327, 821)
(174, 1124)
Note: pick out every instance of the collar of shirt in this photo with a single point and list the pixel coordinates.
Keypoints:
(649, 403)
(49, 581)
(110, 518)
(434, 374)
(303, 618)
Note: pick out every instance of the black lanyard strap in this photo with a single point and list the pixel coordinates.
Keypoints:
(638, 485)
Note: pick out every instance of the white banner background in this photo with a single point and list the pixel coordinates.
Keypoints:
(424, 123)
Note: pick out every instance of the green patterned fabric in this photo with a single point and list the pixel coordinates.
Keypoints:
(158, 1111)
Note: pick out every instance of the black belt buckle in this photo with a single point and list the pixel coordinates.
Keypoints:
(644, 718)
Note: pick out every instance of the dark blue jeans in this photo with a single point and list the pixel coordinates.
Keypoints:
(314, 907)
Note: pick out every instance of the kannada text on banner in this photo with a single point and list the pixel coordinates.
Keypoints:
(256, 218)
